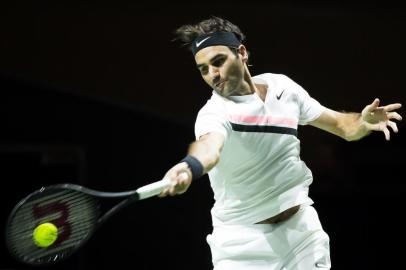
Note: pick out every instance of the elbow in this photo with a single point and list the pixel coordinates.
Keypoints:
(215, 158)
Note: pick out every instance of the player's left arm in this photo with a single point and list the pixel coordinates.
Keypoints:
(354, 126)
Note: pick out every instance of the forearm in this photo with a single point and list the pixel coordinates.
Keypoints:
(351, 126)
(348, 126)
(202, 156)
(207, 150)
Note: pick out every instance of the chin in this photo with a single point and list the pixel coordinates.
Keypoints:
(223, 93)
(220, 93)
(229, 92)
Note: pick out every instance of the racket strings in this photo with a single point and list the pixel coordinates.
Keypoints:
(73, 212)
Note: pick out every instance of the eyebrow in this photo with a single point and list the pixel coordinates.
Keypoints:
(213, 59)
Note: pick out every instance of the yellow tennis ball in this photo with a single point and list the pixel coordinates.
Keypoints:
(45, 234)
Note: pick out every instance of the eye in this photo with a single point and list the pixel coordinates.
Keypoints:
(203, 70)
(219, 62)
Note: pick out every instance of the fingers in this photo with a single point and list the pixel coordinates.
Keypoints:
(390, 115)
(180, 185)
(392, 107)
(394, 115)
(387, 133)
(382, 126)
(387, 108)
(393, 126)
(181, 179)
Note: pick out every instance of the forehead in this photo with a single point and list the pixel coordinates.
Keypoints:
(204, 55)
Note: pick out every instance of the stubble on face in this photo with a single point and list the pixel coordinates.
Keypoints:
(230, 78)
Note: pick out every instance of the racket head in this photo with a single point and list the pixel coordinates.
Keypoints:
(74, 212)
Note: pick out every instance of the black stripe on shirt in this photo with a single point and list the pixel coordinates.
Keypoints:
(264, 129)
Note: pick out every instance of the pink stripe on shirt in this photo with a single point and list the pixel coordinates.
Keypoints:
(263, 120)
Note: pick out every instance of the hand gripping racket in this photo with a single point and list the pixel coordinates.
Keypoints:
(73, 209)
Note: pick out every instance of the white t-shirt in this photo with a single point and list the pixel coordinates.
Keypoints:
(259, 173)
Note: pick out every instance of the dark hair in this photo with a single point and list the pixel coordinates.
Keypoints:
(189, 32)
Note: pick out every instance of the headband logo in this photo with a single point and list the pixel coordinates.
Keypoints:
(201, 41)
(228, 39)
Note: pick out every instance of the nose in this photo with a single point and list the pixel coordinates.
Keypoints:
(214, 73)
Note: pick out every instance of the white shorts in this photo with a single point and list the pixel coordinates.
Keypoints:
(298, 243)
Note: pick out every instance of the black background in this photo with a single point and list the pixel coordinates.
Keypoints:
(98, 94)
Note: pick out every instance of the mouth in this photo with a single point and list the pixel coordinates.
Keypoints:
(220, 85)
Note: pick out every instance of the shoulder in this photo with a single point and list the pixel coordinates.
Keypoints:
(276, 77)
(276, 80)
(280, 82)
(214, 104)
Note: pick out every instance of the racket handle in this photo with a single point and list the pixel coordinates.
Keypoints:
(153, 188)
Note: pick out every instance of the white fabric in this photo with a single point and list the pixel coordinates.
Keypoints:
(259, 174)
(296, 244)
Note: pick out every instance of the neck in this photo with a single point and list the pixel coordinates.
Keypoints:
(250, 86)
(260, 89)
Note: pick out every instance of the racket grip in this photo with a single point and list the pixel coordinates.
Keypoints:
(153, 189)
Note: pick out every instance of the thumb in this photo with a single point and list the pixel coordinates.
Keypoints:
(373, 105)
(183, 177)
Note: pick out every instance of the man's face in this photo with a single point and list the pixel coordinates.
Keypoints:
(221, 68)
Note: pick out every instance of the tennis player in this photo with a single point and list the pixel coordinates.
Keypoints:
(246, 140)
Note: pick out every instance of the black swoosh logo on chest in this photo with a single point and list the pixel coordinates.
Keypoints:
(278, 97)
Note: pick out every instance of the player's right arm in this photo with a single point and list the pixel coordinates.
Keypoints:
(206, 150)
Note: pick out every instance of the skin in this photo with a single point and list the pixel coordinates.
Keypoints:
(228, 74)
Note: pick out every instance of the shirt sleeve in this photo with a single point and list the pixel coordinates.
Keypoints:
(211, 118)
(309, 108)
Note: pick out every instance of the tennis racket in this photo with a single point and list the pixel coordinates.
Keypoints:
(76, 212)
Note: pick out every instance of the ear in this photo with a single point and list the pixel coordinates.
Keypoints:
(244, 53)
